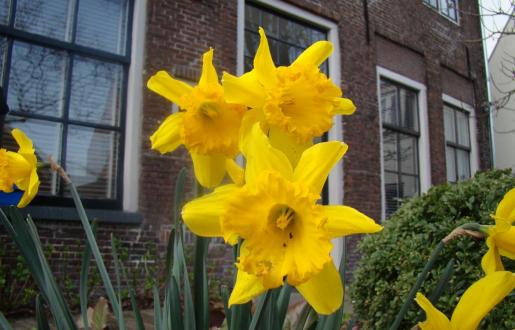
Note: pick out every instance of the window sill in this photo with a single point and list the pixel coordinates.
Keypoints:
(70, 214)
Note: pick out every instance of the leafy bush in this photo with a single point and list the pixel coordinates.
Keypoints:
(392, 259)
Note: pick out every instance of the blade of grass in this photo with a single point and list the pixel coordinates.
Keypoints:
(157, 308)
(175, 305)
(200, 283)
(83, 285)
(282, 303)
(41, 318)
(224, 292)
(257, 317)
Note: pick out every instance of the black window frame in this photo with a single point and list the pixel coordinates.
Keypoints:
(455, 146)
(441, 11)
(398, 131)
(308, 24)
(72, 50)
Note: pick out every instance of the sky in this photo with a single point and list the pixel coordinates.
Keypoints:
(492, 23)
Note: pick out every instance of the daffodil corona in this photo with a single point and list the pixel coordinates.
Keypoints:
(295, 103)
(474, 305)
(206, 124)
(501, 236)
(286, 234)
(18, 172)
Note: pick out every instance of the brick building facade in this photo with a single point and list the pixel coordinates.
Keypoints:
(410, 58)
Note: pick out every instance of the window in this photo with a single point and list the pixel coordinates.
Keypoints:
(400, 129)
(287, 37)
(64, 66)
(457, 144)
(447, 8)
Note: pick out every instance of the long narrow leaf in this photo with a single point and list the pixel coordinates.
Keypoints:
(116, 262)
(282, 303)
(257, 317)
(224, 292)
(40, 314)
(98, 257)
(189, 310)
(175, 306)
(303, 317)
(4, 323)
(200, 283)
(157, 309)
(83, 285)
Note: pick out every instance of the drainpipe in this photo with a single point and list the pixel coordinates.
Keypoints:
(488, 90)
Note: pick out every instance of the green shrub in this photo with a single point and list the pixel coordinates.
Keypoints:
(392, 259)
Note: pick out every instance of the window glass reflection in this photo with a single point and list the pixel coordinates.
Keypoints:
(36, 80)
(91, 161)
(103, 29)
(95, 91)
(4, 11)
(48, 18)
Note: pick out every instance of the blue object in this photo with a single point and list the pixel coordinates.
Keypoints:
(12, 198)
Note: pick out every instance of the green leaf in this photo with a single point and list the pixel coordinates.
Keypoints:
(282, 303)
(157, 309)
(83, 285)
(4, 323)
(175, 305)
(200, 283)
(40, 314)
(257, 317)
(224, 292)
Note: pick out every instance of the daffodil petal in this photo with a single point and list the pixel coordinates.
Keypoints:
(235, 171)
(31, 190)
(209, 169)
(506, 208)
(247, 286)
(435, 320)
(480, 298)
(25, 144)
(167, 138)
(208, 75)
(491, 261)
(286, 143)
(315, 54)
(264, 66)
(344, 220)
(505, 242)
(250, 118)
(202, 215)
(19, 167)
(261, 156)
(324, 291)
(345, 107)
(166, 86)
(244, 90)
(316, 163)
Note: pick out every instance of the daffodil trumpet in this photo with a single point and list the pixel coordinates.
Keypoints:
(293, 104)
(207, 125)
(501, 236)
(19, 181)
(286, 234)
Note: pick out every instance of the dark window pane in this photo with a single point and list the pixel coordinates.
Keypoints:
(389, 103)
(408, 154)
(462, 125)
(46, 137)
(317, 36)
(270, 24)
(283, 54)
(47, 18)
(409, 186)
(102, 24)
(390, 150)
(95, 91)
(449, 125)
(248, 63)
(391, 189)
(252, 18)
(408, 109)
(36, 80)
(4, 11)
(91, 161)
(450, 164)
(452, 9)
(251, 43)
(463, 159)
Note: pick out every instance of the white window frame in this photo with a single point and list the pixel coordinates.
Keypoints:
(133, 127)
(424, 158)
(474, 154)
(336, 175)
(438, 10)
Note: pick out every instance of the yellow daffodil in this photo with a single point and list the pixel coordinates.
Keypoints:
(285, 233)
(473, 306)
(295, 103)
(501, 236)
(18, 172)
(206, 124)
